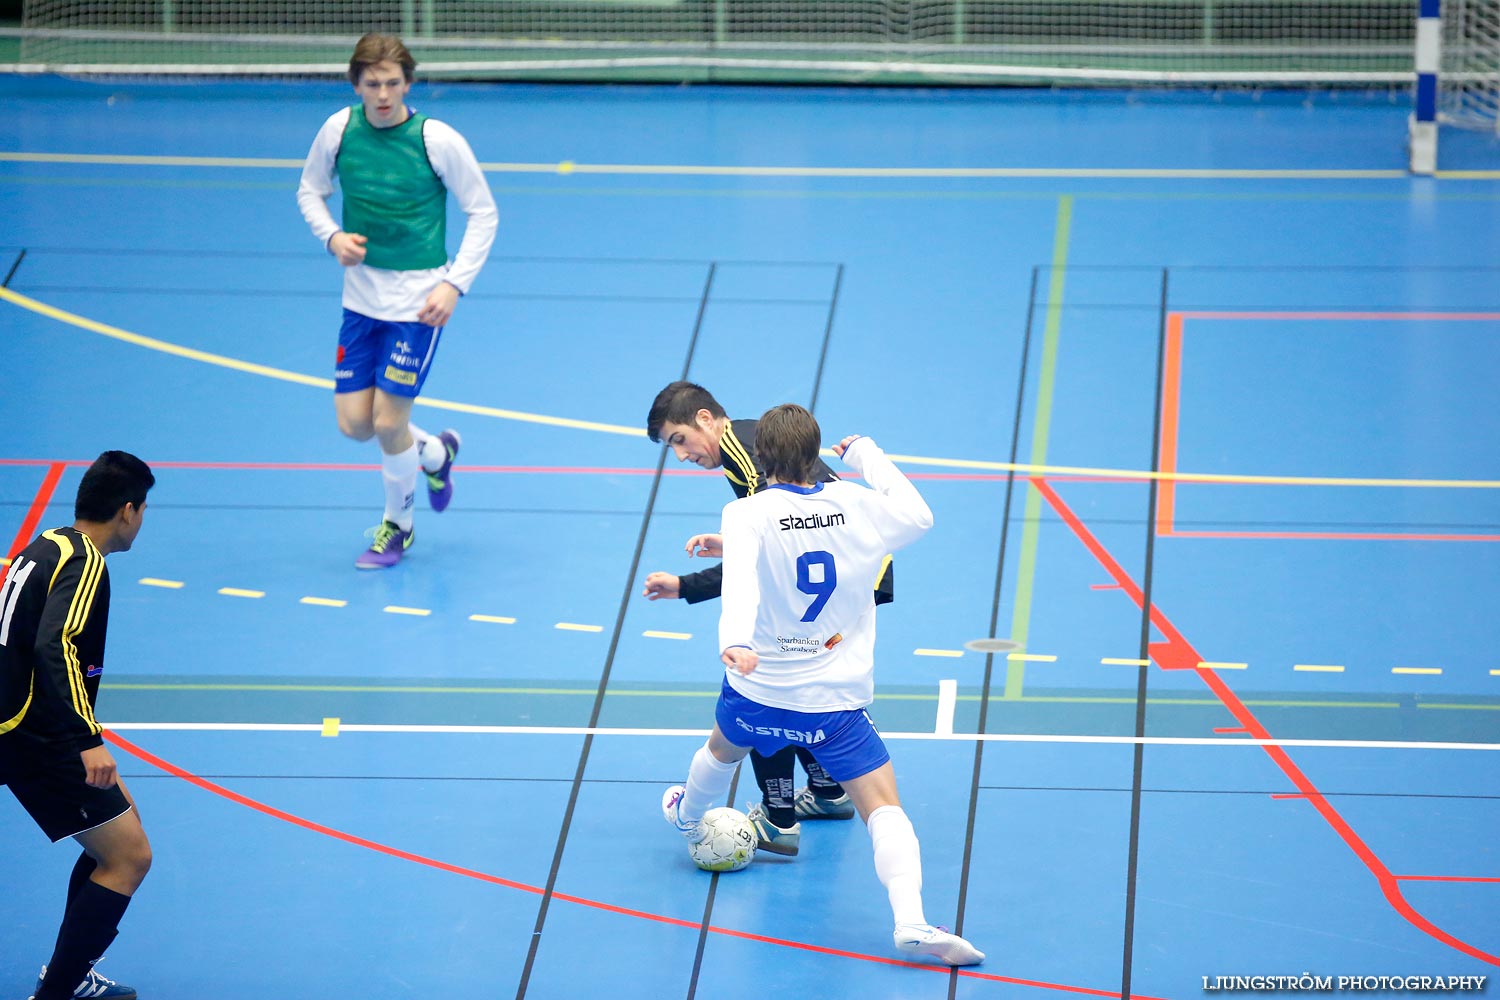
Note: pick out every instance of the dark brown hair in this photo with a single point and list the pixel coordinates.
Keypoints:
(679, 403)
(786, 442)
(374, 48)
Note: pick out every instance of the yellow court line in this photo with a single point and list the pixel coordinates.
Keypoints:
(151, 581)
(1212, 665)
(324, 602)
(937, 652)
(396, 609)
(267, 371)
(719, 170)
(1321, 668)
(237, 592)
(1495, 673)
(1114, 661)
(652, 634)
(1417, 670)
(1032, 657)
(495, 619)
(330, 727)
(281, 374)
(573, 627)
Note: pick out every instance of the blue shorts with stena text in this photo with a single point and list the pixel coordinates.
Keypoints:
(394, 357)
(846, 743)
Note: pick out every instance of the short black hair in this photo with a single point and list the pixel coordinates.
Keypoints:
(786, 442)
(679, 403)
(115, 479)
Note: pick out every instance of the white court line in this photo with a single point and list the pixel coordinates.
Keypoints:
(947, 702)
(1192, 741)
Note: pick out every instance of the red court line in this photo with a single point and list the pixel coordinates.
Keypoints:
(1177, 653)
(33, 515)
(1355, 536)
(1444, 878)
(555, 470)
(1166, 505)
(1171, 383)
(396, 852)
(1230, 729)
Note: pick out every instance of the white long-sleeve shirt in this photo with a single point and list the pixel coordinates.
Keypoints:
(400, 295)
(800, 565)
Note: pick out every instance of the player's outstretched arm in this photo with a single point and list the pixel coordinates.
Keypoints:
(905, 516)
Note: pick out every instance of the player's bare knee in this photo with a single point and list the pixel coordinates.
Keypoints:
(359, 430)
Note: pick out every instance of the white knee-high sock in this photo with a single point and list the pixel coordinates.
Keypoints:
(898, 862)
(399, 472)
(708, 780)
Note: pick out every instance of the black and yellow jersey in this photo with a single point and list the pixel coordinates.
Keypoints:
(54, 609)
(746, 476)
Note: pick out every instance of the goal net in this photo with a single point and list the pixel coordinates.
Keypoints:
(1167, 42)
(1468, 89)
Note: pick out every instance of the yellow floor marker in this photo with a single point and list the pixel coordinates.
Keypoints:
(493, 619)
(151, 581)
(937, 652)
(572, 627)
(324, 602)
(652, 634)
(330, 727)
(237, 592)
(396, 609)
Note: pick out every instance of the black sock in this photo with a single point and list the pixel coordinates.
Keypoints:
(91, 923)
(774, 776)
(81, 872)
(818, 780)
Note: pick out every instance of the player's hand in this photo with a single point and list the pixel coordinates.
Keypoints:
(662, 585)
(741, 660)
(706, 546)
(843, 445)
(439, 307)
(99, 767)
(349, 248)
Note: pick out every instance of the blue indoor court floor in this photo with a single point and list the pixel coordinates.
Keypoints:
(1200, 388)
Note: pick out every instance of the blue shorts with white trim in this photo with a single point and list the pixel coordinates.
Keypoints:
(846, 743)
(393, 357)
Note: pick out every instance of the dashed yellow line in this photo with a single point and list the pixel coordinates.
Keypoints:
(1495, 673)
(1428, 671)
(574, 627)
(1319, 668)
(652, 634)
(493, 619)
(937, 652)
(396, 609)
(237, 592)
(1032, 657)
(1215, 665)
(324, 602)
(151, 581)
(1116, 661)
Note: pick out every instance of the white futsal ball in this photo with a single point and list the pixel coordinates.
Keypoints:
(730, 844)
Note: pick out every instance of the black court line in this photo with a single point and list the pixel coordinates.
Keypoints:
(1143, 672)
(713, 885)
(989, 658)
(833, 304)
(12, 272)
(614, 644)
(283, 293)
(719, 264)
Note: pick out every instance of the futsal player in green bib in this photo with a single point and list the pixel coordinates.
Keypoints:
(395, 168)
